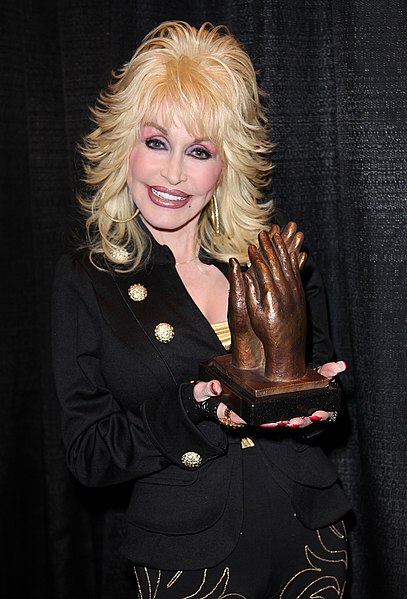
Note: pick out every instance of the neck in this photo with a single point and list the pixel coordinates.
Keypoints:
(182, 242)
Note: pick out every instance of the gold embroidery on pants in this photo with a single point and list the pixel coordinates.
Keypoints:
(304, 583)
(344, 559)
(174, 579)
(140, 592)
(200, 587)
(340, 535)
(222, 582)
(224, 575)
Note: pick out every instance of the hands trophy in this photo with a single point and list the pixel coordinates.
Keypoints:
(265, 377)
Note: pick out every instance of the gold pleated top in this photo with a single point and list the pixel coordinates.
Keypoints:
(223, 332)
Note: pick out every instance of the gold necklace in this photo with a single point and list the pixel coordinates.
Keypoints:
(187, 261)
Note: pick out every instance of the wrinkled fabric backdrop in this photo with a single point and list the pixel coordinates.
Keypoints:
(335, 72)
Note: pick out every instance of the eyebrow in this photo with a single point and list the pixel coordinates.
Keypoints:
(155, 126)
(165, 132)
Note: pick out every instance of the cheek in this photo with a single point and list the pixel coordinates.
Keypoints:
(131, 167)
(136, 166)
(212, 177)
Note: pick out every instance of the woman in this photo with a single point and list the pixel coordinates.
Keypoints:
(175, 169)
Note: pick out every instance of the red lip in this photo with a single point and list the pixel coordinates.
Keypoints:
(172, 204)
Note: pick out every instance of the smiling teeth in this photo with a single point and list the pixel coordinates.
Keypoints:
(167, 196)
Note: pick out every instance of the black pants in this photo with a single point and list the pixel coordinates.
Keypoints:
(276, 557)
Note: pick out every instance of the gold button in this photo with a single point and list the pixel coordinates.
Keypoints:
(137, 292)
(191, 459)
(120, 255)
(164, 332)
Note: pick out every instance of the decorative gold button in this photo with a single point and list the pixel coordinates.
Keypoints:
(120, 255)
(164, 332)
(137, 292)
(191, 459)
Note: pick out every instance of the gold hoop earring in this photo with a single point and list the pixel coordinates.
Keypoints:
(215, 214)
(121, 220)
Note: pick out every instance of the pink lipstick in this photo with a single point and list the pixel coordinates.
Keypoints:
(167, 198)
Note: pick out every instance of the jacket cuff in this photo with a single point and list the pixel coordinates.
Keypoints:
(199, 411)
(175, 435)
(186, 391)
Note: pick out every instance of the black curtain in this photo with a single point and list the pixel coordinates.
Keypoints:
(335, 72)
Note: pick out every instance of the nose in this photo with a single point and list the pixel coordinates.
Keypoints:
(173, 169)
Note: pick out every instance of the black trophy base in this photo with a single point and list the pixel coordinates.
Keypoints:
(257, 400)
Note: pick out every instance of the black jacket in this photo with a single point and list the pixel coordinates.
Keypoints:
(124, 418)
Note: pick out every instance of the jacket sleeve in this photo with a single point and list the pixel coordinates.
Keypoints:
(319, 349)
(105, 443)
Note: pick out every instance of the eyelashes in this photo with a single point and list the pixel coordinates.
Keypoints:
(201, 153)
(198, 152)
(155, 144)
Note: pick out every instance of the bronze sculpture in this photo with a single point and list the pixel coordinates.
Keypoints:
(266, 377)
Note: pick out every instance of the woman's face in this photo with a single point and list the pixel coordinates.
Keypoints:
(172, 175)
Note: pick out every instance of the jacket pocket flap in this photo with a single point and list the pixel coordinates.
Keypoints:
(161, 505)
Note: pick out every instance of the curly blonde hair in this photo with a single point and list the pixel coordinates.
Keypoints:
(204, 75)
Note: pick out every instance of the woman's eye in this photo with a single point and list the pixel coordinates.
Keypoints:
(201, 153)
(154, 144)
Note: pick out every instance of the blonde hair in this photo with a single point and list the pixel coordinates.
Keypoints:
(205, 76)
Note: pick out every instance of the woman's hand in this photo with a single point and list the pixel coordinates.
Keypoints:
(204, 391)
(328, 370)
(211, 389)
(331, 369)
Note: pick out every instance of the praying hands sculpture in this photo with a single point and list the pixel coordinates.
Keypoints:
(267, 315)
(265, 377)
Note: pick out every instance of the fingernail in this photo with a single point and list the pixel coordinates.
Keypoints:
(344, 364)
(293, 425)
(269, 425)
(282, 423)
(214, 390)
(315, 418)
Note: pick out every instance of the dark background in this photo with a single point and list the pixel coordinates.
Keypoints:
(335, 72)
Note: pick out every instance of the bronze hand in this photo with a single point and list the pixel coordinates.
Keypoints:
(275, 302)
(247, 349)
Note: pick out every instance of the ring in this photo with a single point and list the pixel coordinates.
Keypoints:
(332, 417)
(227, 421)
